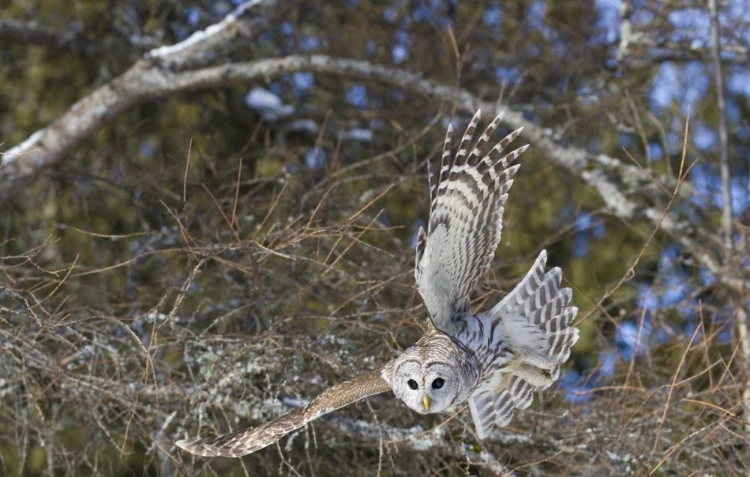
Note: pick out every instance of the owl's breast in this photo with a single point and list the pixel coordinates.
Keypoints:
(483, 337)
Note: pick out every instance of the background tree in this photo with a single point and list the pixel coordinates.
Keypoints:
(209, 209)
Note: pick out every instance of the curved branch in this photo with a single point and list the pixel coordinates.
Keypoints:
(148, 80)
(36, 34)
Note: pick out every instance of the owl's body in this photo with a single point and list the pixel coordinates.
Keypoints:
(493, 360)
(502, 356)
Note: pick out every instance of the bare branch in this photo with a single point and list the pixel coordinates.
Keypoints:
(663, 51)
(626, 30)
(726, 215)
(201, 47)
(34, 33)
(609, 176)
(653, 48)
(147, 79)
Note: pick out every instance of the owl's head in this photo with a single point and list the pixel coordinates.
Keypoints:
(425, 383)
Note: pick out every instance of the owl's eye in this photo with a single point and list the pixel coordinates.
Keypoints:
(438, 383)
(412, 384)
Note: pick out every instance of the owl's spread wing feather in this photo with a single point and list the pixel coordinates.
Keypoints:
(467, 199)
(244, 442)
(535, 316)
(534, 320)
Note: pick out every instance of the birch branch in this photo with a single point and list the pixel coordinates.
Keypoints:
(726, 215)
(146, 80)
(36, 34)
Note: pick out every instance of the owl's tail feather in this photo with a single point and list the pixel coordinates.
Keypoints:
(534, 319)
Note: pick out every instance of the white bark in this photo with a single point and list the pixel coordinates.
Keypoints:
(145, 81)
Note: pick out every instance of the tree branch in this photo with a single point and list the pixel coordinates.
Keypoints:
(663, 49)
(726, 216)
(147, 79)
(204, 47)
(609, 176)
(34, 33)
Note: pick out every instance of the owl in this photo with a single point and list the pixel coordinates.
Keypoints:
(494, 360)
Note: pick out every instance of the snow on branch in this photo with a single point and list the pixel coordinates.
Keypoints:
(147, 80)
(215, 31)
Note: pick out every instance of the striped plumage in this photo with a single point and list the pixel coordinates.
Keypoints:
(533, 321)
(520, 344)
(467, 201)
(496, 360)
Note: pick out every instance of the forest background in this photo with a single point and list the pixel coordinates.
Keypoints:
(208, 213)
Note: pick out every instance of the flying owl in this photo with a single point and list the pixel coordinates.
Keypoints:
(495, 360)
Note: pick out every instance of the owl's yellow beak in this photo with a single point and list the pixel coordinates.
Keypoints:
(426, 403)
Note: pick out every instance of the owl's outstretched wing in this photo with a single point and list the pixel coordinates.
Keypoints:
(237, 444)
(467, 196)
(534, 319)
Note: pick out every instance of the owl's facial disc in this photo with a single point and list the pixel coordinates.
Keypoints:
(425, 388)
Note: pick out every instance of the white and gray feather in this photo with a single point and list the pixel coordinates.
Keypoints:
(467, 200)
(534, 321)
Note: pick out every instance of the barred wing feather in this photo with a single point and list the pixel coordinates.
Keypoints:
(467, 199)
(534, 320)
